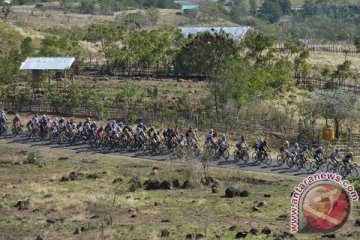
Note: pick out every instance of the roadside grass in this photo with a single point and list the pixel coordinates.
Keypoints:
(57, 209)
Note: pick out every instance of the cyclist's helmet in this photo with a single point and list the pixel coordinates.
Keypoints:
(320, 148)
(351, 154)
(17, 115)
(296, 145)
(211, 130)
(242, 138)
(337, 150)
(305, 146)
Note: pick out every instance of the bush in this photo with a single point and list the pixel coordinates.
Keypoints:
(32, 158)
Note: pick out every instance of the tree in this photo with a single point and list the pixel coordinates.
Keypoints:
(253, 7)
(237, 12)
(6, 10)
(259, 46)
(87, 6)
(337, 105)
(271, 11)
(27, 48)
(152, 14)
(206, 53)
(357, 43)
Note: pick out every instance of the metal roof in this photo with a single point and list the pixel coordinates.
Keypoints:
(189, 7)
(47, 63)
(235, 32)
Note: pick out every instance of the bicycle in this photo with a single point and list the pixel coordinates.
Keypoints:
(262, 157)
(17, 130)
(242, 155)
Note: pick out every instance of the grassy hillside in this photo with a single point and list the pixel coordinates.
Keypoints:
(9, 37)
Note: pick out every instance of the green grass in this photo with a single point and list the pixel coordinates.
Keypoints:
(9, 37)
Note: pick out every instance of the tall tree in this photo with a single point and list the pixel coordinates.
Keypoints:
(253, 7)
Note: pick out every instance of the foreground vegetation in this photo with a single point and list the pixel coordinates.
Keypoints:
(103, 198)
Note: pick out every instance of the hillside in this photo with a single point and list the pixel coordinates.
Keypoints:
(9, 37)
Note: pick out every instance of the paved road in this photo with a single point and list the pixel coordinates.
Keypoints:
(230, 163)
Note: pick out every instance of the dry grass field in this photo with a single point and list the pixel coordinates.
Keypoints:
(85, 195)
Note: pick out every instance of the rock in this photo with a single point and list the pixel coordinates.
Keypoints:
(266, 231)
(152, 185)
(214, 189)
(199, 236)
(117, 180)
(267, 195)
(232, 228)
(176, 183)
(242, 234)
(261, 204)
(357, 222)
(255, 209)
(156, 204)
(6, 196)
(165, 185)
(64, 179)
(283, 217)
(254, 231)
(39, 238)
(132, 188)
(165, 233)
(93, 176)
(48, 196)
(231, 192)
(63, 158)
(165, 221)
(187, 185)
(132, 210)
(188, 237)
(94, 217)
(77, 231)
(22, 205)
(329, 235)
(133, 216)
(244, 193)
(50, 221)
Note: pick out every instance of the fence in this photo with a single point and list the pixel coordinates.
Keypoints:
(319, 83)
(345, 49)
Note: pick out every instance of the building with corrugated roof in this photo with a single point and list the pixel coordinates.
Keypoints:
(38, 64)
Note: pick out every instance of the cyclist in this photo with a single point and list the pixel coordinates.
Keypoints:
(334, 155)
(346, 159)
(142, 126)
(209, 137)
(191, 136)
(294, 150)
(3, 118)
(264, 148)
(241, 144)
(319, 154)
(17, 121)
(221, 143)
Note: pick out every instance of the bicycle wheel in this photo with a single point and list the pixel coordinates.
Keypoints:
(280, 160)
(236, 155)
(354, 172)
(343, 171)
(307, 165)
(323, 167)
(331, 168)
(314, 166)
(299, 164)
(226, 154)
(267, 159)
(290, 162)
(255, 158)
(245, 157)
